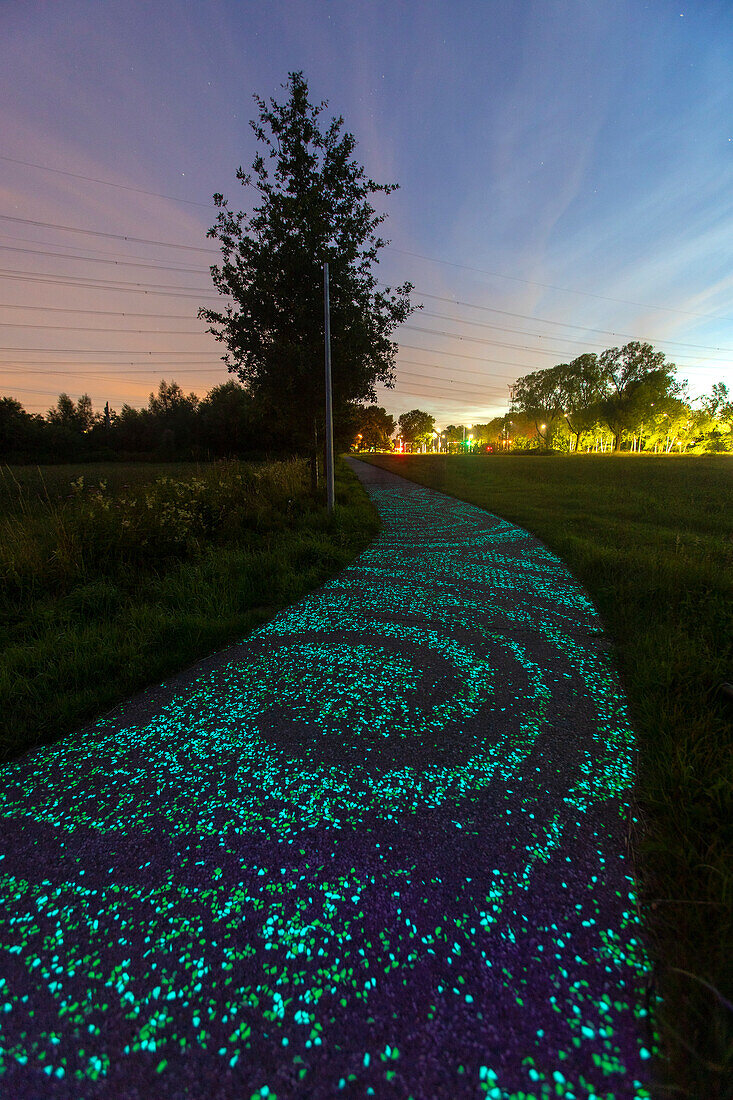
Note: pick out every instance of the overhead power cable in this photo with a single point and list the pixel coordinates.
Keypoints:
(428, 313)
(101, 312)
(438, 398)
(553, 335)
(105, 183)
(102, 260)
(117, 284)
(392, 248)
(99, 351)
(104, 331)
(478, 340)
(128, 288)
(110, 236)
(535, 350)
(208, 369)
(563, 324)
(107, 374)
(561, 289)
(462, 370)
(449, 383)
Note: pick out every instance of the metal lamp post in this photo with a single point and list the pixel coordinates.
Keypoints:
(329, 400)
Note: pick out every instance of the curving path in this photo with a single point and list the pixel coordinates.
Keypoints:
(377, 849)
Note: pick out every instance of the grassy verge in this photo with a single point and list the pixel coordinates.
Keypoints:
(104, 590)
(652, 542)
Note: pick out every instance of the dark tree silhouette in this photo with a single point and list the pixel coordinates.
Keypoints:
(314, 207)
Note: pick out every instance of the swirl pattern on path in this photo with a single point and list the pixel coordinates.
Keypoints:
(374, 850)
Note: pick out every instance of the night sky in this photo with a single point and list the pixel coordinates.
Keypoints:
(565, 178)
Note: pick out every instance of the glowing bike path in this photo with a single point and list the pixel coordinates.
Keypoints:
(377, 849)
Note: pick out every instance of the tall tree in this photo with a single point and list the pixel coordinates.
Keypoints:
(416, 427)
(581, 389)
(174, 415)
(454, 433)
(718, 402)
(228, 420)
(539, 396)
(375, 427)
(635, 378)
(314, 207)
(66, 413)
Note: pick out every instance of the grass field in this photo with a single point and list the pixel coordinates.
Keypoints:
(652, 542)
(111, 583)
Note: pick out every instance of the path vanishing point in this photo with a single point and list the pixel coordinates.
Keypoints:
(376, 849)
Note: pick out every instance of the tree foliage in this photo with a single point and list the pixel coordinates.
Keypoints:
(540, 396)
(634, 378)
(313, 207)
(626, 391)
(375, 428)
(416, 427)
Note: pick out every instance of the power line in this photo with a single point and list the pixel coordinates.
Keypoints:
(564, 324)
(188, 369)
(525, 347)
(25, 389)
(101, 260)
(109, 236)
(567, 339)
(427, 313)
(181, 292)
(188, 248)
(437, 382)
(111, 284)
(418, 255)
(125, 363)
(100, 312)
(117, 284)
(477, 340)
(104, 331)
(438, 398)
(562, 289)
(105, 183)
(463, 370)
(98, 351)
(120, 257)
(106, 374)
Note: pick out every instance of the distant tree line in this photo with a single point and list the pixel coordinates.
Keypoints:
(623, 399)
(227, 422)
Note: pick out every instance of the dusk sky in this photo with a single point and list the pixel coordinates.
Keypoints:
(565, 172)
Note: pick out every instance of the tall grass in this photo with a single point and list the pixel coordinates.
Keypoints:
(104, 591)
(652, 542)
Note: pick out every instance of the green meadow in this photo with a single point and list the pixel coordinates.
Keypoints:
(651, 539)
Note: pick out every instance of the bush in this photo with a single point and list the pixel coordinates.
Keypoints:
(97, 532)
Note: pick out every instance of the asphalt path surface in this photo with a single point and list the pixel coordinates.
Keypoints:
(376, 849)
